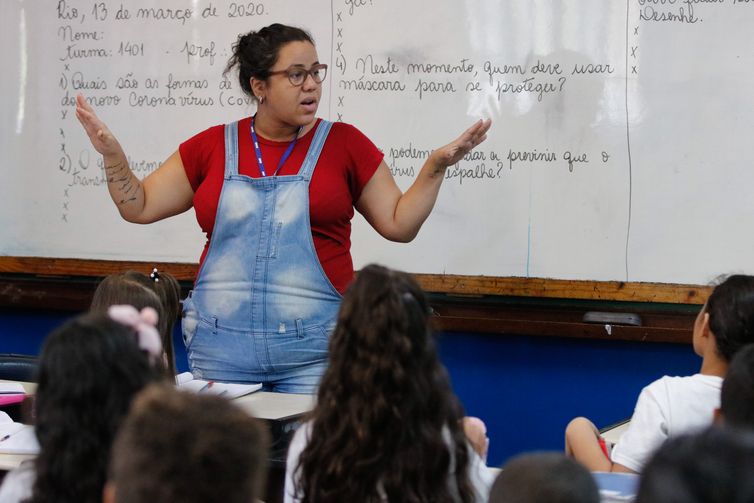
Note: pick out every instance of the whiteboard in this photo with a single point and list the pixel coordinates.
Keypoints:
(620, 148)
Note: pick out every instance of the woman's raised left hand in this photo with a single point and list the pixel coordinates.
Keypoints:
(469, 139)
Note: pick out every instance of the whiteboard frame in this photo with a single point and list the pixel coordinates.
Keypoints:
(432, 283)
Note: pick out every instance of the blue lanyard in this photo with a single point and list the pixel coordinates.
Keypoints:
(258, 151)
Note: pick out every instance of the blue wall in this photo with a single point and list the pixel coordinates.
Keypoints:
(23, 331)
(525, 388)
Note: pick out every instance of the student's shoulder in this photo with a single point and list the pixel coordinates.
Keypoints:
(662, 387)
(691, 380)
(672, 385)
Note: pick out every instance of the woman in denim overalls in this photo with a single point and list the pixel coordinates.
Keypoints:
(262, 307)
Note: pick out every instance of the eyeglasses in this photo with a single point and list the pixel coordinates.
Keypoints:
(297, 75)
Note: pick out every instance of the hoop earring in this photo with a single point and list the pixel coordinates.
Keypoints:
(261, 99)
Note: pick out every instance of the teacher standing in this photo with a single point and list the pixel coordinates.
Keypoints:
(275, 194)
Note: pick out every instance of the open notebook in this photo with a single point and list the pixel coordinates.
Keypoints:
(186, 381)
(16, 438)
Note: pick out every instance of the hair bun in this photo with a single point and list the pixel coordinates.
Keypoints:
(246, 40)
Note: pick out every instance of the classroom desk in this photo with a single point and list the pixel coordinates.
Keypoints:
(261, 404)
(613, 432)
(9, 462)
(275, 406)
(282, 412)
(29, 387)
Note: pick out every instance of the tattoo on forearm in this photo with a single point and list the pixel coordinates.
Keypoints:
(129, 187)
(132, 194)
(119, 165)
(126, 187)
(119, 168)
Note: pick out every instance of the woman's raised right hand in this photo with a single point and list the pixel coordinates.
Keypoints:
(102, 139)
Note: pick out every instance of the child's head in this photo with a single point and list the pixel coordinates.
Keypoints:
(159, 291)
(383, 327)
(737, 395)
(124, 288)
(383, 348)
(384, 391)
(89, 370)
(176, 447)
(544, 477)
(712, 466)
(729, 315)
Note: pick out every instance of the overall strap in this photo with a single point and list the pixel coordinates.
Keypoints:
(320, 135)
(231, 149)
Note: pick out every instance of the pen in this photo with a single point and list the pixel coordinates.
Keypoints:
(6, 437)
(206, 386)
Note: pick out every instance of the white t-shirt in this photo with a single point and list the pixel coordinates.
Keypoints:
(480, 476)
(666, 408)
(18, 483)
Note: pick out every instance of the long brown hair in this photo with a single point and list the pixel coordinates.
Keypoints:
(159, 291)
(386, 416)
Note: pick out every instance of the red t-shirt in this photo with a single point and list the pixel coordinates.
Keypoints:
(347, 163)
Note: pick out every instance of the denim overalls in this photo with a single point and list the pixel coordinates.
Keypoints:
(262, 308)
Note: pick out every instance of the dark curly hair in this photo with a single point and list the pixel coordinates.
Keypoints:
(256, 52)
(731, 314)
(139, 290)
(89, 370)
(386, 415)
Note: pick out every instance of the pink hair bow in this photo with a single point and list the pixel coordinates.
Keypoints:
(143, 323)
